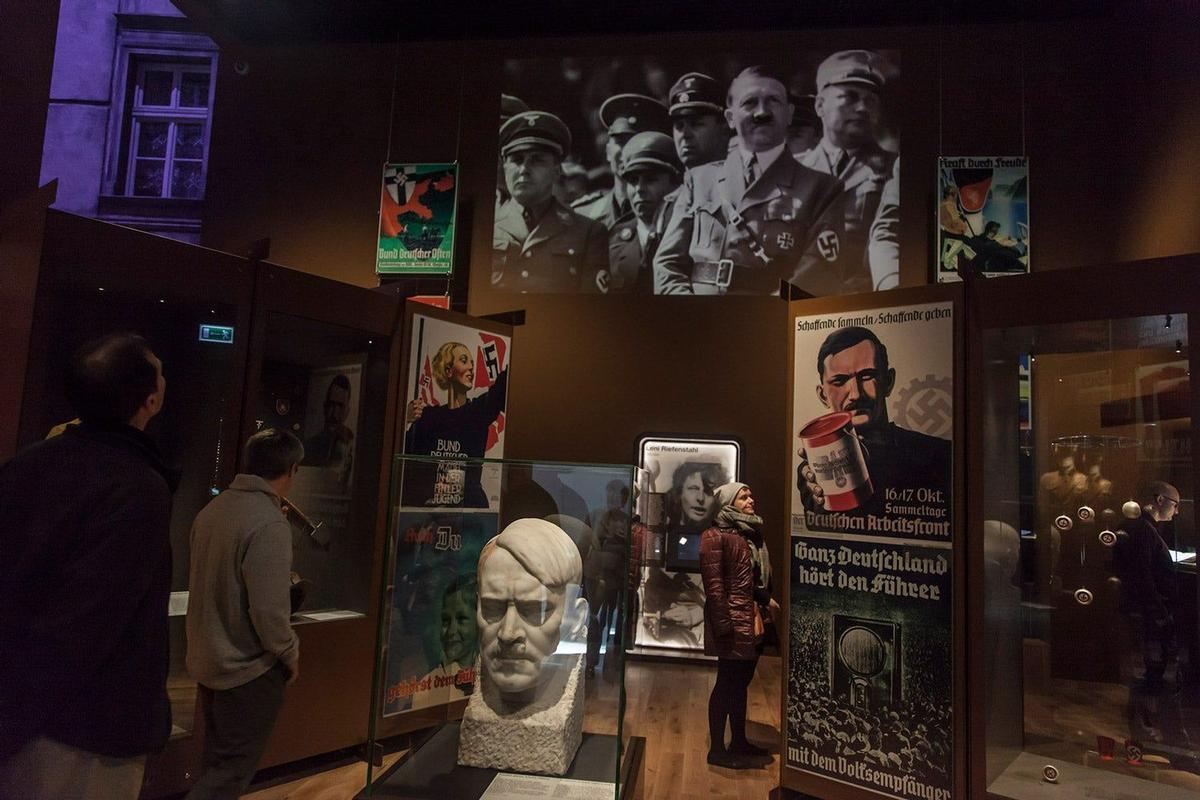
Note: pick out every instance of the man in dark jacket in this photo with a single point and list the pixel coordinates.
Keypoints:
(84, 539)
(1147, 573)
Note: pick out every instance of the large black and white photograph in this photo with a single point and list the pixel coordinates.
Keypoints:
(704, 174)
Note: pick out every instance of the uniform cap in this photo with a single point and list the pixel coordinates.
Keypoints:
(510, 106)
(649, 150)
(850, 66)
(535, 129)
(633, 113)
(696, 93)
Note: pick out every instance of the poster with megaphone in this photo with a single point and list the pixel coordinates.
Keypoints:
(983, 217)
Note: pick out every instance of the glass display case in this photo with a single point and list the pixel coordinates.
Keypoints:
(323, 363)
(196, 316)
(502, 630)
(316, 380)
(1090, 657)
(195, 307)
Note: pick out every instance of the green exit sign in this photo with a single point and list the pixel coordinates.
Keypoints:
(222, 334)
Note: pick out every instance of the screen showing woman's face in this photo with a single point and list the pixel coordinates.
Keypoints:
(697, 502)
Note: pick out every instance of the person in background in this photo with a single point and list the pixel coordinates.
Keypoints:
(650, 172)
(736, 574)
(240, 645)
(622, 116)
(1143, 563)
(572, 183)
(85, 535)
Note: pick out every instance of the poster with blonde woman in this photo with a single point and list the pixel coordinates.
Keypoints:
(454, 411)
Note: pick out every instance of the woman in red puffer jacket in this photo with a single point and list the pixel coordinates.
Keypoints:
(731, 574)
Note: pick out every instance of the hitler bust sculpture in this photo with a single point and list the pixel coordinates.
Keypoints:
(528, 716)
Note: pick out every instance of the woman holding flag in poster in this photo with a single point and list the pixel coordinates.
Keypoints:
(458, 429)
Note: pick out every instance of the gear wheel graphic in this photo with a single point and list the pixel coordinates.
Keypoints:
(926, 405)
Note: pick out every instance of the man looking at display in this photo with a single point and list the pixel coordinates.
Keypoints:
(650, 171)
(84, 588)
(538, 244)
(241, 647)
(743, 224)
(854, 376)
(1143, 563)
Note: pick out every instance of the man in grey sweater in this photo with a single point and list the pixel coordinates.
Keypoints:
(241, 647)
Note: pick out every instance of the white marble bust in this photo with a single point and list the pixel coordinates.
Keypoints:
(528, 587)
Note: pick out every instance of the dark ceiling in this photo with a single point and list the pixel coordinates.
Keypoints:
(278, 21)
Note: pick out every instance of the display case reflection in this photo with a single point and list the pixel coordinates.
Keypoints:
(1093, 603)
(315, 381)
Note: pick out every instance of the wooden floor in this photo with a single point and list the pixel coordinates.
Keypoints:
(666, 704)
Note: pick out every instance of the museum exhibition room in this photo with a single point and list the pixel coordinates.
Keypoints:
(307, 492)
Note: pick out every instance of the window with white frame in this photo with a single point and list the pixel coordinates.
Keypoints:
(168, 114)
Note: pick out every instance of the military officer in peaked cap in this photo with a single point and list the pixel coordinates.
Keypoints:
(510, 106)
(650, 171)
(538, 244)
(623, 115)
(849, 88)
(742, 224)
(697, 114)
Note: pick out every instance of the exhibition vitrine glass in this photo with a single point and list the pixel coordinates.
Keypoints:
(1090, 652)
(196, 318)
(502, 630)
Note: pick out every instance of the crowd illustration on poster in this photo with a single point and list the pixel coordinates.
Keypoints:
(870, 678)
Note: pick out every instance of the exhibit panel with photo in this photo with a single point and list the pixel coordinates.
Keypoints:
(870, 683)
(682, 475)
(705, 173)
(983, 217)
(454, 409)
